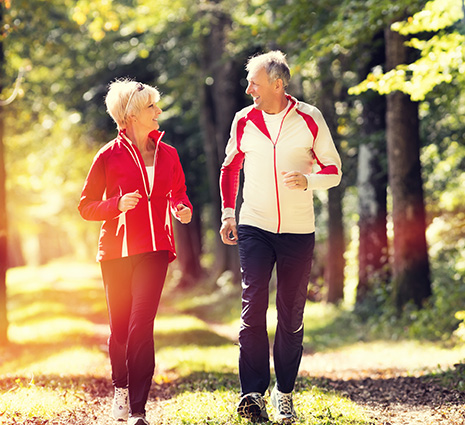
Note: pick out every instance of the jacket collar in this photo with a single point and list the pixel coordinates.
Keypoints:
(155, 135)
(256, 116)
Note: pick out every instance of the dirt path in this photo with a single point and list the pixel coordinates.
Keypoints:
(392, 396)
(395, 388)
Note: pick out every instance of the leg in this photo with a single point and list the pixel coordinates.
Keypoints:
(116, 276)
(149, 272)
(257, 260)
(294, 263)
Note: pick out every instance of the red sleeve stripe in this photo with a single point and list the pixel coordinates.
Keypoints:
(311, 124)
(329, 169)
(230, 180)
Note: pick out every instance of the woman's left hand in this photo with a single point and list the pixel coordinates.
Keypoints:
(183, 214)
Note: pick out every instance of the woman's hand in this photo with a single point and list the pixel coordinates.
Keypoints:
(129, 201)
(183, 214)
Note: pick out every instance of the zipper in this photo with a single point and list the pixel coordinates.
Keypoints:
(275, 165)
(276, 186)
(148, 191)
(155, 157)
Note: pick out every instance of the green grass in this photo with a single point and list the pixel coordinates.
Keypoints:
(56, 369)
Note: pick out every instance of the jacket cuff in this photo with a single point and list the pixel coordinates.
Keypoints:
(228, 213)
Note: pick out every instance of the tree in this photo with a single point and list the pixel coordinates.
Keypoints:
(3, 213)
(411, 265)
(334, 269)
(373, 255)
(221, 99)
(405, 82)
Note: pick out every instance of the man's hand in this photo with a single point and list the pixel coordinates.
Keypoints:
(294, 180)
(129, 201)
(228, 231)
(183, 214)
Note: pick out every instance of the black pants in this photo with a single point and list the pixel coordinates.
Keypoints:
(259, 251)
(133, 287)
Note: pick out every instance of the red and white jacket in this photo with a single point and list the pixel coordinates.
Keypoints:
(304, 139)
(118, 168)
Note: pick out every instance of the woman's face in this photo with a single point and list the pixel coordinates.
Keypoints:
(148, 116)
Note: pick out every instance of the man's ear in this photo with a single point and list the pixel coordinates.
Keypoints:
(278, 84)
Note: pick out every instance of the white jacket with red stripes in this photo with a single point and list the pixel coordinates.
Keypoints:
(304, 144)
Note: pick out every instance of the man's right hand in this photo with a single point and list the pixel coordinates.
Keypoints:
(228, 231)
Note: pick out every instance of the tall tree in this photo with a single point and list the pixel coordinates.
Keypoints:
(222, 97)
(373, 256)
(411, 266)
(3, 211)
(335, 263)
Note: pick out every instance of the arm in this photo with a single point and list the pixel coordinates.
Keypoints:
(229, 175)
(92, 206)
(327, 158)
(229, 186)
(181, 207)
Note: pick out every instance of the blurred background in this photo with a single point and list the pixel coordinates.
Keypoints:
(388, 77)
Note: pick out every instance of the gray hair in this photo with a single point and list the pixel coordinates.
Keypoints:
(275, 65)
(126, 97)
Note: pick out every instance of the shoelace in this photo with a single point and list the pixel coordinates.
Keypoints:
(120, 395)
(285, 404)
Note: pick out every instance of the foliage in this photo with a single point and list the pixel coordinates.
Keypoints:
(76, 48)
(442, 54)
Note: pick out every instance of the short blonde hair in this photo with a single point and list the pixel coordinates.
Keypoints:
(275, 65)
(127, 97)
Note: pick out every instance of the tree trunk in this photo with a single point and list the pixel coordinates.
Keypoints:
(334, 271)
(189, 248)
(3, 212)
(219, 104)
(335, 263)
(373, 255)
(411, 275)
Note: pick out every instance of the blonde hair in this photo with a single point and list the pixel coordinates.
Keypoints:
(275, 65)
(126, 97)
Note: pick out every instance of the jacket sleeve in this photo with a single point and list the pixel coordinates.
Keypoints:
(179, 190)
(326, 158)
(92, 205)
(230, 171)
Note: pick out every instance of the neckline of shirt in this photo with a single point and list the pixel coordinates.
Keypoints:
(278, 116)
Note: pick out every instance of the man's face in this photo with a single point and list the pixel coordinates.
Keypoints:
(263, 92)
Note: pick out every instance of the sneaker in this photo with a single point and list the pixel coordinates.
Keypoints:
(252, 407)
(120, 404)
(137, 419)
(282, 402)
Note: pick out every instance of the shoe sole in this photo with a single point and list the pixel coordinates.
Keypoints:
(248, 409)
(286, 421)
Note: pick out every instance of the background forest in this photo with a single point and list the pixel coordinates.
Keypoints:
(387, 75)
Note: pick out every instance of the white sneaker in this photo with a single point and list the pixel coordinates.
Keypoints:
(137, 419)
(120, 404)
(282, 402)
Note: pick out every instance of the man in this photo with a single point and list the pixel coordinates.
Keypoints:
(277, 140)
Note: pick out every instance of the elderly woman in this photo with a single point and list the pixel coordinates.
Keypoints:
(135, 181)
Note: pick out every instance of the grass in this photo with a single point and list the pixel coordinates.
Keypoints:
(56, 369)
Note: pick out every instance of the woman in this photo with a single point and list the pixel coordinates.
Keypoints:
(135, 181)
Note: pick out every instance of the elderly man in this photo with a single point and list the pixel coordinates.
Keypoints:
(287, 151)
